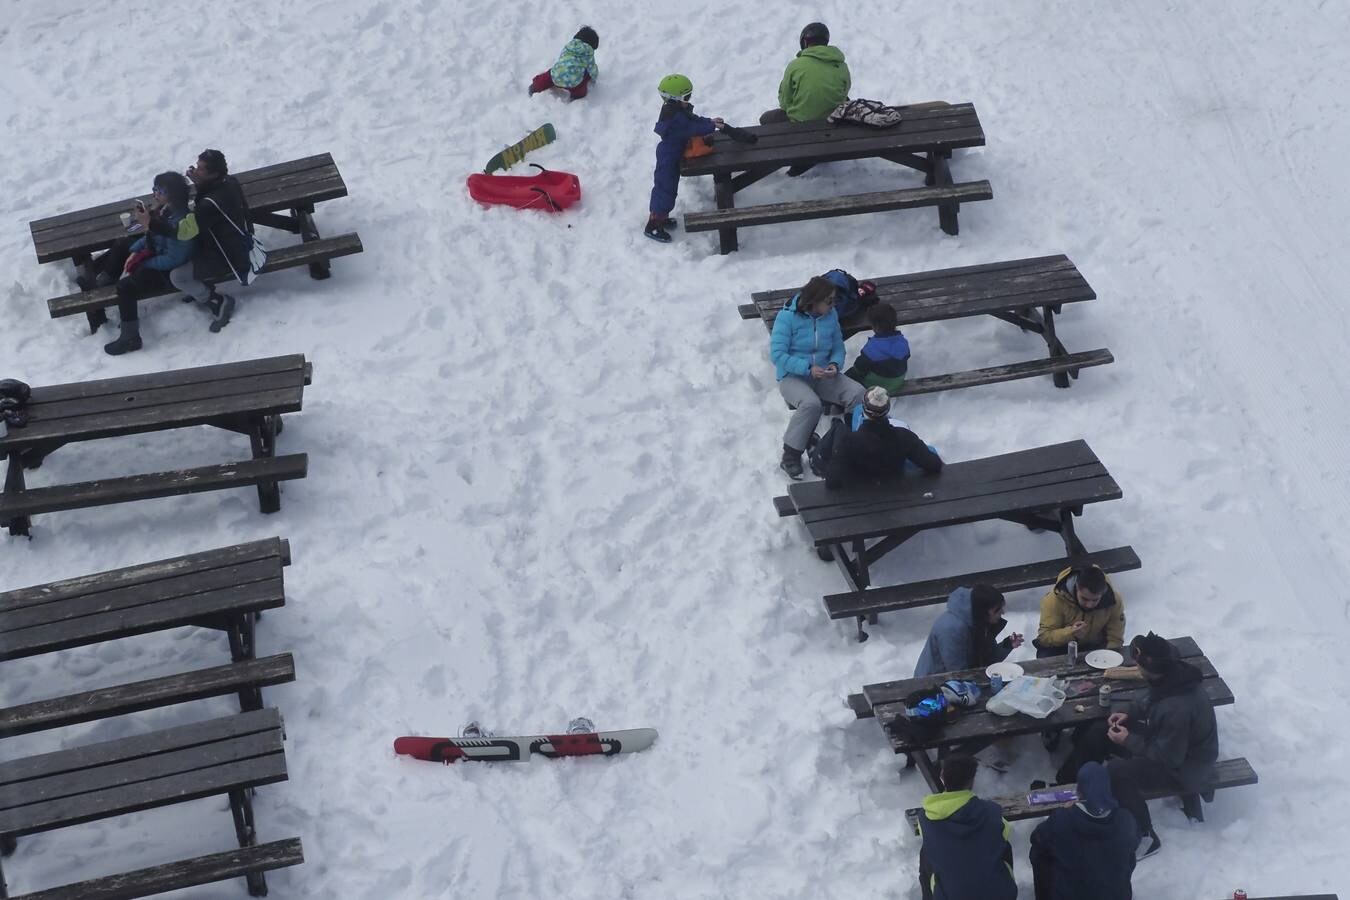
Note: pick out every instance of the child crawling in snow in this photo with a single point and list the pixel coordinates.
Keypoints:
(576, 67)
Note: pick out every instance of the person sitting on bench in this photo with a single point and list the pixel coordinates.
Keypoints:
(965, 636)
(814, 83)
(871, 447)
(884, 359)
(1083, 606)
(965, 853)
(224, 237)
(141, 266)
(1086, 850)
(807, 349)
(1168, 739)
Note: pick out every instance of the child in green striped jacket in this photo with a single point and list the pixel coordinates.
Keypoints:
(576, 67)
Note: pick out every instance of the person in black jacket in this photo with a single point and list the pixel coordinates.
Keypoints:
(874, 449)
(965, 853)
(1169, 738)
(1088, 849)
(221, 213)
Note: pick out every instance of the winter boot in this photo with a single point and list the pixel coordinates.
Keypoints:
(103, 279)
(791, 463)
(1149, 844)
(580, 725)
(128, 339)
(656, 230)
(221, 307)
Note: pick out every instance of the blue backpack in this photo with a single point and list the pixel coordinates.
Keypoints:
(847, 301)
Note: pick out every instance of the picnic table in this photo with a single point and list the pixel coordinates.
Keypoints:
(924, 141)
(281, 196)
(1026, 293)
(885, 701)
(1042, 489)
(245, 397)
(231, 755)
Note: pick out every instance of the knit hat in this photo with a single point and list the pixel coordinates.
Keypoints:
(876, 403)
(1094, 789)
(1153, 653)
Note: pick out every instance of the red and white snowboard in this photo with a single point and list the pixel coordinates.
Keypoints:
(519, 748)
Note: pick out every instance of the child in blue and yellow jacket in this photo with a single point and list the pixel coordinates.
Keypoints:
(676, 125)
(576, 67)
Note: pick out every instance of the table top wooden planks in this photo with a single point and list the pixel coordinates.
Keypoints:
(310, 180)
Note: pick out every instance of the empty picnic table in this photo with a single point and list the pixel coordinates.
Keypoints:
(281, 196)
(1041, 489)
(885, 701)
(245, 397)
(924, 141)
(231, 756)
(1027, 293)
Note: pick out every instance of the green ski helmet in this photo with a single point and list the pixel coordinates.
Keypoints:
(675, 87)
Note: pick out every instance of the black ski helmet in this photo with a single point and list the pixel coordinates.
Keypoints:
(815, 33)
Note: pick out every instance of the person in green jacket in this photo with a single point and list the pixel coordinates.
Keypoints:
(813, 84)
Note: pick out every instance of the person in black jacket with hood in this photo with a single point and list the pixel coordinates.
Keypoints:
(1088, 849)
(1168, 738)
(965, 853)
(221, 214)
(874, 450)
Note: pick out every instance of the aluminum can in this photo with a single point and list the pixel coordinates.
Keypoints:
(995, 684)
(1239, 894)
(1104, 696)
(1073, 653)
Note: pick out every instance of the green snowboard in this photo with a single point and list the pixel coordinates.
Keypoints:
(513, 154)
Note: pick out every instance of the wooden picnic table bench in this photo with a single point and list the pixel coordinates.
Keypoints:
(231, 755)
(245, 397)
(887, 700)
(223, 589)
(1027, 293)
(1041, 489)
(924, 140)
(279, 196)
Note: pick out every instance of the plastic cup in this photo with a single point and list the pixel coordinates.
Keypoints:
(126, 219)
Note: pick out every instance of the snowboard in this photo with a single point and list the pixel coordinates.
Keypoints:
(519, 748)
(540, 137)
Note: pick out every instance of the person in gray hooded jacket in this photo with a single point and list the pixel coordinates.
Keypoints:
(965, 636)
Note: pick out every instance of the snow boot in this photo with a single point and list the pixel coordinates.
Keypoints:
(580, 725)
(791, 463)
(656, 231)
(128, 339)
(221, 307)
(1149, 844)
(103, 279)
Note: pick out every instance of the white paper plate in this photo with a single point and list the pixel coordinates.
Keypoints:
(1103, 659)
(1005, 670)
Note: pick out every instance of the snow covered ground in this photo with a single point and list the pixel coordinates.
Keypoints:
(543, 448)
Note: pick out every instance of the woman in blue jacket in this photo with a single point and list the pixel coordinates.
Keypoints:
(145, 268)
(965, 636)
(807, 349)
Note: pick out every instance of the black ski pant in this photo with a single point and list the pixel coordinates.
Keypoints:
(111, 262)
(133, 287)
(1130, 775)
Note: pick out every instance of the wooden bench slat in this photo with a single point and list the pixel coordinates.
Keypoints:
(183, 874)
(1228, 773)
(179, 611)
(103, 387)
(1011, 578)
(45, 414)
(1010, 372)
(103, 602)
(153, 485)
(194, 785)
(151, 693)
(855, 204)
(103, 752)
(273, 547)
(991, 272)
(281, 258)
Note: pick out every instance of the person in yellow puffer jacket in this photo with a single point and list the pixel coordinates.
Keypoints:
(1083, 606)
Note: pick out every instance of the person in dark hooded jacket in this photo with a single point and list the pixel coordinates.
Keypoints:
(1168, 738)
(965, 853)
(965, 636)
(1087, 850)
(676, 124)
(873, 448)
(220, 221)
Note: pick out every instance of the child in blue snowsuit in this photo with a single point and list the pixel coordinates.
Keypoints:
(676, 125)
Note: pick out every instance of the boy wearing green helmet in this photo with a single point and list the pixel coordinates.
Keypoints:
(676, 125)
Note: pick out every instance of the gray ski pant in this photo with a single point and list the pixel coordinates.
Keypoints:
(806, 395)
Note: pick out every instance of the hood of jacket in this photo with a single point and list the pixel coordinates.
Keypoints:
(959, 605)
(1066, 587)
(1181, 678)
(825, 53)
(947, 804)
(891, 346)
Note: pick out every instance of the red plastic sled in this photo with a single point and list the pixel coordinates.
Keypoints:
(551, 191)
